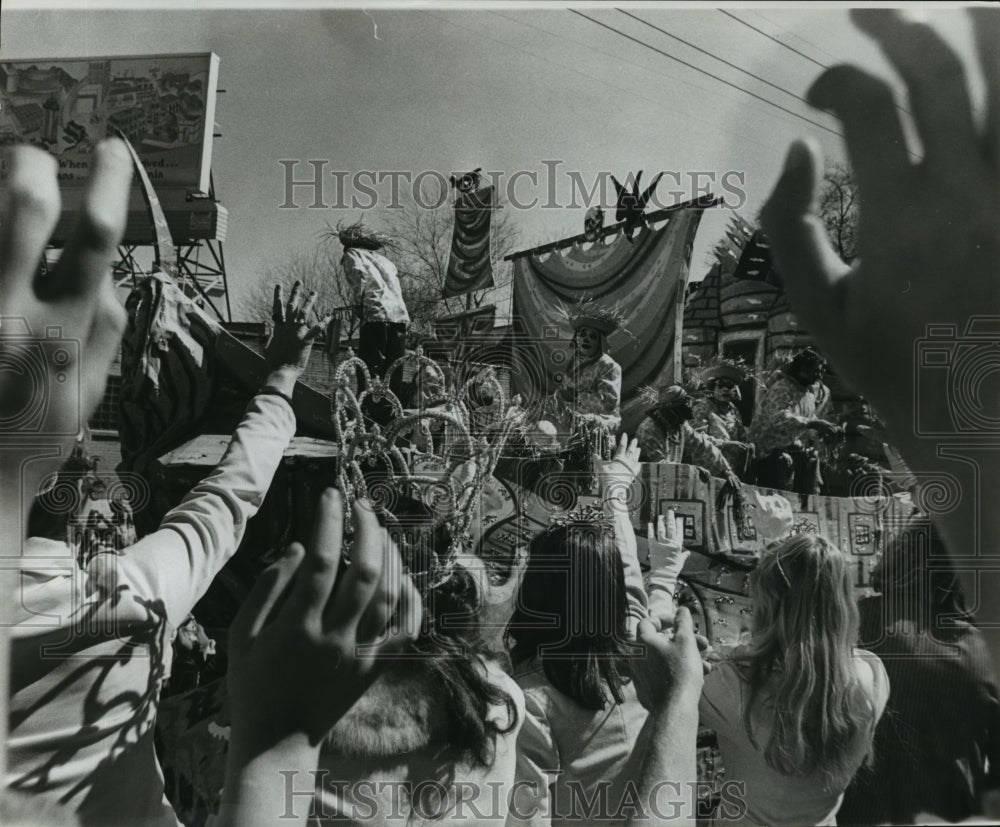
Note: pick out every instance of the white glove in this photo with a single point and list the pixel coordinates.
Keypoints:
(666, 560)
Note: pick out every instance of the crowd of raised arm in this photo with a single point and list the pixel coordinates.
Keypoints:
(355, 697)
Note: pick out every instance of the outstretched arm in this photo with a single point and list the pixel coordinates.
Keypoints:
(616, 478)
(930, 255)
(76, 301)
(668, 681)
(701, 451)
(177, 563)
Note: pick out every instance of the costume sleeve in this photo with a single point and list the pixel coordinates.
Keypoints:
(700, 450)
(739, 430)
(372, 299)
(706, 421)
(537, 758)
(701, 415)
(355, 273)
(602, 395)
(177, 563)
(651, 442)
(822, 401)
(776, 424)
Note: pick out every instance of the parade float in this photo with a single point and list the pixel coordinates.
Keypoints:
(186, 380)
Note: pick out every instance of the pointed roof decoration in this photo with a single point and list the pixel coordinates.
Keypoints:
(755, 263)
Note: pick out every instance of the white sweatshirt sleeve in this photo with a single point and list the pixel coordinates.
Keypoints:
(177, 563)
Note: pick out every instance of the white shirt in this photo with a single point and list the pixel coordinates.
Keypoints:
(375, 285)
(87, 667)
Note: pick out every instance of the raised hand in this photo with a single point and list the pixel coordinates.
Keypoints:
(293, 334)
(295, 669)
(59, 332)
(668, 680)
(666, 544)
(930, 255)
(666, 560)
(929, 230)
(671, 664)
(617, 474)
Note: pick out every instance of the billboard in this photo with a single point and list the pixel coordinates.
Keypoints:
(164, 105)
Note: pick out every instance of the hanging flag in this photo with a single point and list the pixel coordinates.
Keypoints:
(645, 278)
(470, 265)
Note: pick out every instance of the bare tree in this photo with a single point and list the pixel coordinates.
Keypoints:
(421, 248)
(838, 207)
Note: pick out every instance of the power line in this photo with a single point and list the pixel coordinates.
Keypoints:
(520, 21)
(692, 113)
(739, 88)
(715, 57)
(775, 39)
(448, 20)
(780, 42)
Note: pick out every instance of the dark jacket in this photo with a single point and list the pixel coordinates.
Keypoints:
(941, 725)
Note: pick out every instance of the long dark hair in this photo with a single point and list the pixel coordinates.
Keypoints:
(571, 612)
(451, 642)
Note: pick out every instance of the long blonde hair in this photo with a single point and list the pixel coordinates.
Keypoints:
(805, 630)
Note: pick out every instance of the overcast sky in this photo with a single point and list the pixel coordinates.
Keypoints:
(507, 89)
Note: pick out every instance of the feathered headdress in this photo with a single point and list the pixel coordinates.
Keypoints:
(719, 367)
(359, 235)
(659, 396)
(589, 312)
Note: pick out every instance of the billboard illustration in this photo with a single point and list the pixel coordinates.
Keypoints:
(164, 105)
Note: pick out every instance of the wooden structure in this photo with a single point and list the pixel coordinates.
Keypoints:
(740, 311)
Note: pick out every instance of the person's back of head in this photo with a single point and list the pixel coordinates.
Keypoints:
(805, 692)
(571, 612)
(451, 641)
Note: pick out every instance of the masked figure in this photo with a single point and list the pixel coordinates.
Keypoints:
(717, 416)
(788, 422)
(666, 435)
(591, 390)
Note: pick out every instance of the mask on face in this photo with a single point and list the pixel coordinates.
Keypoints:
(588, 342)
(593, 223)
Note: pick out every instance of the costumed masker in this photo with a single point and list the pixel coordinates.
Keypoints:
(786, 423)
(586, 406)
(716, 415)
(377, 294)
(590, 391)
(666, 435)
